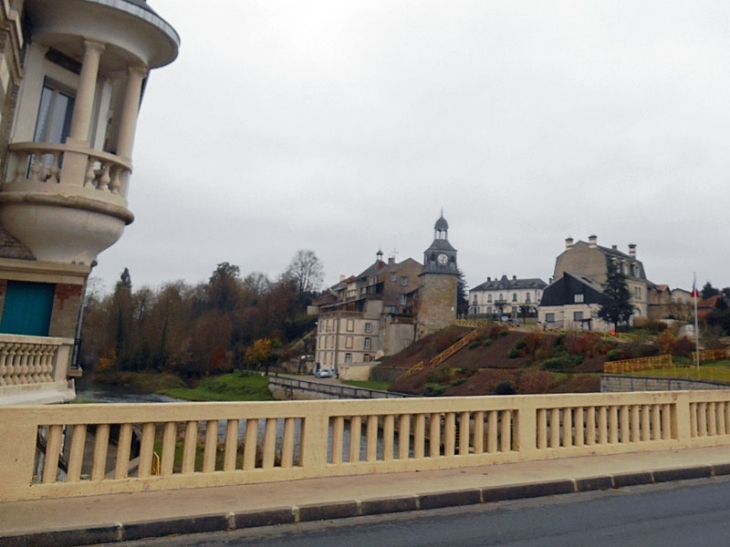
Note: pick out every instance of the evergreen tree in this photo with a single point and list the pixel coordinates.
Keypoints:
(462, 296)
(708, 291)
(616, 304)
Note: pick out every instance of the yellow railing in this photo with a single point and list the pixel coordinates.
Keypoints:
(441, 357)
(214, 444)
(710, 355)
(627, 366)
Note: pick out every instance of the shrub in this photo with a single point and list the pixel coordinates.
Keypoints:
(505, 387)
(513, 353)
(665, 342)
(433, 390)
(474, 344)
(683, 347)
(614, 354)
(556, 363)
(487, 342)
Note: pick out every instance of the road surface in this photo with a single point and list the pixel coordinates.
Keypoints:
(674, 514)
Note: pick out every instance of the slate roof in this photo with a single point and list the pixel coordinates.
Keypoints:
(505, 283)
(441, 245)
(560, 292)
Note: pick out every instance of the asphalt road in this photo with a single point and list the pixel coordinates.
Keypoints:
(676, 514)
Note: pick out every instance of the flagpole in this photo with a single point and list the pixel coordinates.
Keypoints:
(696, 297)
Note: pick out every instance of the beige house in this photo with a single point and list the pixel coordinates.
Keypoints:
(72, 74)
(573, 298)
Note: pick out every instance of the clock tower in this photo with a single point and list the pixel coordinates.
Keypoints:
(439, 280)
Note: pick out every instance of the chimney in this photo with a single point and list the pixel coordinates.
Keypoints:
(614, 247)
(514, 278)
(568, 243)
(489, 279)
(632, 250)
(592, 242)
(391, 260)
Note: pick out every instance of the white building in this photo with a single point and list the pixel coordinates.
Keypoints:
(506, 297)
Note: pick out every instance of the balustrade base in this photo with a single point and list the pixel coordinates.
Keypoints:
(38, 394)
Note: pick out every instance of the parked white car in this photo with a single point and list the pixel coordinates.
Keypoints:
(324, 373)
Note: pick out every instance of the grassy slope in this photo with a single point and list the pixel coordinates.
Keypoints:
(226, 387)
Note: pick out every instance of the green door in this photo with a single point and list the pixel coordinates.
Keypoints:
(28, 308)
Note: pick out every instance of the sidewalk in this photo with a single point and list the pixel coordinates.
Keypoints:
(127, 517)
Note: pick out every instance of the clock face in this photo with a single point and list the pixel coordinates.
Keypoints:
(443, 259)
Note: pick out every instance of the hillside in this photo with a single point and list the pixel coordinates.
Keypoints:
(500, 360)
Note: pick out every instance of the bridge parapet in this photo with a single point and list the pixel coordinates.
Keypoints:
(215, 444)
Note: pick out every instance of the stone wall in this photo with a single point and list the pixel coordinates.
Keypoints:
(294, 389)
(620, 384)
(437, 303)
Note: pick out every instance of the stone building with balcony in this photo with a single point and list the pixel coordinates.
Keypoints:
(384, 309)
(72, 76)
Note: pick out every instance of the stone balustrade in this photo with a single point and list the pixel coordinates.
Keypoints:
(42, 162)
(214, 444)
(26, 360)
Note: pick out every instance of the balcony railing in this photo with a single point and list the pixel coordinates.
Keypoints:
(43, 162)
(26, 360)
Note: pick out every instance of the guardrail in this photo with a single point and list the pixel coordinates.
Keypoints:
(215, 444)
(706, 355)
(637, 365)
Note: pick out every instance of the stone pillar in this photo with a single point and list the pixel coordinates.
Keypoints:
(75, 164)
(84, 105)
(128, 123)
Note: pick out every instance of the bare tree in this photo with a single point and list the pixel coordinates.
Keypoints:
(306, 270)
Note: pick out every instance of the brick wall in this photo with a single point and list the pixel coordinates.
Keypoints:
(66, 306)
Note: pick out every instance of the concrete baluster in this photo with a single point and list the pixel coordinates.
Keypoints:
(404, 436)
(338, 436)
(449, 434)
(124, 450)
(211, 446)
(146, 450)
(355, 437)
(434, 435)
(419, 437)
(287, 443)
(269, 449)
(190, 446)
(169, 438)
(388, 437)
(231, 446)
(250, 444)
(479, 432)
(371, 439)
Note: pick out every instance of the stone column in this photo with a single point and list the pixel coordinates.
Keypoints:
(75, 164)
(84, 105)
(128, 122)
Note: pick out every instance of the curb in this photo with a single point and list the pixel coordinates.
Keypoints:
(132, 531)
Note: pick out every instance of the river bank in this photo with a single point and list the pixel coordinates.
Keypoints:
(151, 387)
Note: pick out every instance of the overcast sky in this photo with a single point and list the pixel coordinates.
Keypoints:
(345, 127)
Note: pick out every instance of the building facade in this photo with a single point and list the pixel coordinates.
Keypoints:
(72, 75)
(574, 301)
(385, 308)
(505, 297)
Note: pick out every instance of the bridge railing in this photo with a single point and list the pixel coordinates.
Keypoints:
(77, 450)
